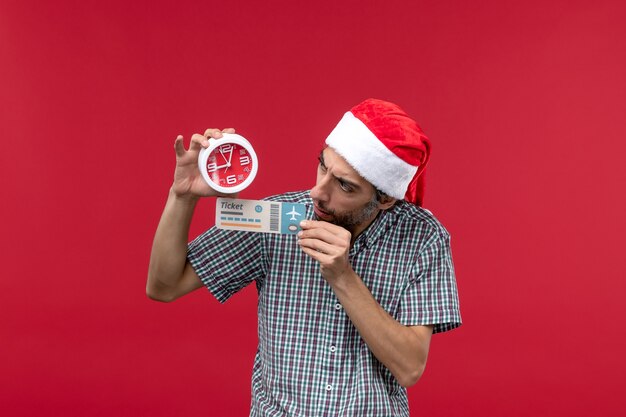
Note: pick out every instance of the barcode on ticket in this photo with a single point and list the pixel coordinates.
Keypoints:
(274, 217)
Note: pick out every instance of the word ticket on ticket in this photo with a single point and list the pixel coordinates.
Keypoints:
(259, 216)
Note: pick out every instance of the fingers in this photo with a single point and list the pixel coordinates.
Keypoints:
(198, 142)
(316, 224)
(179, 148)
(323, 241)
(321, 238)
(320, 257)
(319, 246)
(213, 133)
(216, 133)
(324, 231)
(328, 246)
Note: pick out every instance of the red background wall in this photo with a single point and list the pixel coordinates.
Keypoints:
(524, 103)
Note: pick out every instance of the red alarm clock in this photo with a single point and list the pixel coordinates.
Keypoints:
(229, 164)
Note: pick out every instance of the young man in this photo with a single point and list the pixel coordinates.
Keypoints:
(347, 308)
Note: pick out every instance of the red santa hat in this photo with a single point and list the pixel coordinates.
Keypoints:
(385, 146)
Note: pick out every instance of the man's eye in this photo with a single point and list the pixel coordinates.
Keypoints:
(345, 187)
(322, 167)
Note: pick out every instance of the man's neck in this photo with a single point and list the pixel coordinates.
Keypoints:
(361, 227)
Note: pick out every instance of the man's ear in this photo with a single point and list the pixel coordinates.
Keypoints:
(385, 202)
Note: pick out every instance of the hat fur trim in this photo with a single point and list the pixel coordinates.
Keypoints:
(370, 157)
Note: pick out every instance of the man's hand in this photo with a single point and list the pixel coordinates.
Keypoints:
(188, 181)
(329, 245)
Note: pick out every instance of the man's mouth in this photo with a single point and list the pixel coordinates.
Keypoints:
(322, 214)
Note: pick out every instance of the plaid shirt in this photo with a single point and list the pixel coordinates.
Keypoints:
(311, 360)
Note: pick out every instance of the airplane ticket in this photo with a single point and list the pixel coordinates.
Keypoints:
(259, 215)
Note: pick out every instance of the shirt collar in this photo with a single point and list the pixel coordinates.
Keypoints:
(374, 231)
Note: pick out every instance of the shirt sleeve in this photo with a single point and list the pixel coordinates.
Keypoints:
(431, 297)
(226, 261)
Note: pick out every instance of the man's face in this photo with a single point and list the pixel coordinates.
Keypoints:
(341, 196)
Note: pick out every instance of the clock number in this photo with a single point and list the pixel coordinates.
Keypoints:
(226, 148)
(231, 179)
(244, 160)
(212, 167)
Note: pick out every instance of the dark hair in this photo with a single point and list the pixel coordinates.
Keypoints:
(380, 196)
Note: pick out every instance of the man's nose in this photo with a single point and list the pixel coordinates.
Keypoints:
(320, 191)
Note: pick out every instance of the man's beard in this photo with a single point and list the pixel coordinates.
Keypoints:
(352, 218)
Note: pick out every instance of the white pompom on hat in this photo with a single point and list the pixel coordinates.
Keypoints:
(385, 146)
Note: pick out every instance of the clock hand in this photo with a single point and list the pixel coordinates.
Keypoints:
(227, 161)
(230, 156)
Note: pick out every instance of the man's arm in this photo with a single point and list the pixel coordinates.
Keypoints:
(170, 276)
(402, 349)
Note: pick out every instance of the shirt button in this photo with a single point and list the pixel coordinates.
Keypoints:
(329, 387)
(333, 348)
(337, 306)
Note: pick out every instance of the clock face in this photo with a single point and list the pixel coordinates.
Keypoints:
(229, 165)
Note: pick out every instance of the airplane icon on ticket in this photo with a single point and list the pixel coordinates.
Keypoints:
(293, 213)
